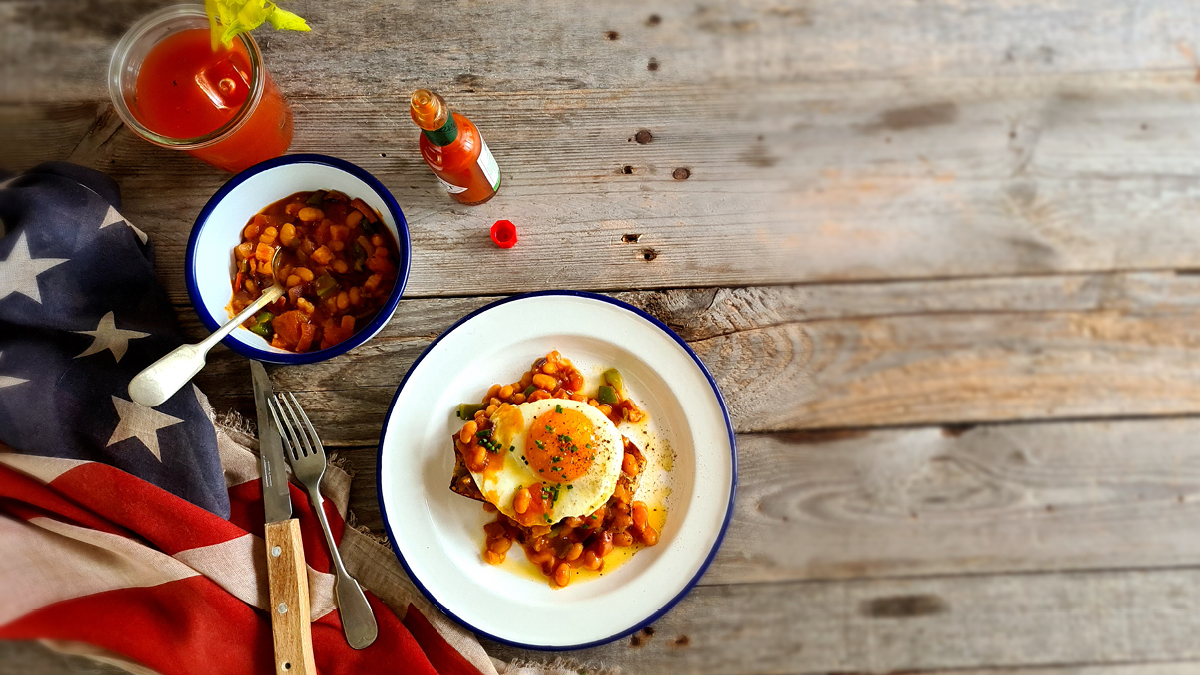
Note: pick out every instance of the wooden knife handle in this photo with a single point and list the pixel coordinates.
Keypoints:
(287, 577)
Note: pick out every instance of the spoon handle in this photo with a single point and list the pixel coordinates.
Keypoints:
(161, 379)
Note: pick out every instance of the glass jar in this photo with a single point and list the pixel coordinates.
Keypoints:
(228, 111)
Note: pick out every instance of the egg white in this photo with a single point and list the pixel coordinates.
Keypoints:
(587, 492)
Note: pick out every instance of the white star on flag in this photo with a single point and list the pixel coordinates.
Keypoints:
(18, 274)
(109, 337)
(140, 422)
(113, 216)
(6, 381)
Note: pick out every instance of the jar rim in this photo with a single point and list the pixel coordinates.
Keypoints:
(139, 32)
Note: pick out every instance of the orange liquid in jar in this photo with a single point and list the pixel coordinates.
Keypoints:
(186, 90)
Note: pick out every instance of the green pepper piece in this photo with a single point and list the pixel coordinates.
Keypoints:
(262, 325)
(608, 396)
(613, 377)
(467, 411)
(326, 285)
(529, 390)
(367, 226)
(360, 257)
(316, 199)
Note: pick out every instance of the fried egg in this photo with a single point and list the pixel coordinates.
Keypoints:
(566, 453)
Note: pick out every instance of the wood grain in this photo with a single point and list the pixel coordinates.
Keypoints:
(59, 50)
(843, 355)
(926, 501)
(992, 622)
(848, 182)
(287, 578)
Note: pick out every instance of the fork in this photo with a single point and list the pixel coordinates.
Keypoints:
(307, 457)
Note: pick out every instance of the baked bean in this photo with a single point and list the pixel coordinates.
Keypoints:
(479, 456)
(544, 382)
(293, 208)
(377, 240)
(304, 273)
(562, 574)
(640, 514)
(649, 535)
(549, 368)
(526, 380)
(623, 539)
(337, 246)
(517, 399)
(492, 558)
(538, 395)
(506, 392)
(292, 280)
(343, 300)
(489, 507)
(489, 410)
(354, 218)
(575, 551)
(491, 392)
(521, 499)
(629, 465)
(309, 214)
(287, 236)
(592, 561)
(251, 231)
(251, 287)
(605, 408)
(500, 545)
(340, 266)
(305, 306)
(268, 235)
(355, 298)
(622, 521)
(468, 431)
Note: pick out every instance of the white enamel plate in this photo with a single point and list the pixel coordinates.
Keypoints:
(438, 535)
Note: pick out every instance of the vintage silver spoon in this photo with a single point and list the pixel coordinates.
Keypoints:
(161, 379)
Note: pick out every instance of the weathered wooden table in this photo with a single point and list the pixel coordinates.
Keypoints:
(938, 254)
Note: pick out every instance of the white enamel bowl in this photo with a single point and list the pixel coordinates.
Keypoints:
(438, 534)
(217, 231)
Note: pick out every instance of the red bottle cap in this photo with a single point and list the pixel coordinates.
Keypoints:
(504, 234)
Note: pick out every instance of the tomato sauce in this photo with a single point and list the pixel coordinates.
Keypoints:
(186, 90)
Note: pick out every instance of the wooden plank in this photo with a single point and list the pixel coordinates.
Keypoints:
(843, 355)
(1050, 620)
(793, 183)
(61, 51)
(929, 501)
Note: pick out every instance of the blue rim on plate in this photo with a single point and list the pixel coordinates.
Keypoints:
(654, 616)
(360, 336)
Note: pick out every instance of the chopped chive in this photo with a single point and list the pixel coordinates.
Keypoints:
(549, 428)
(541, 445)
(570, 487)
(558, 409)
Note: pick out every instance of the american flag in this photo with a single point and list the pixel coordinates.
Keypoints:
(134, 535)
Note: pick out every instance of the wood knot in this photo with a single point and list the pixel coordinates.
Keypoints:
(612, 35)
(649, 254)
(903, 606)
(682, 173)
(643, 137)
(653, 20)
(630, 238)
(652, 64)
(681, 641)
(627, 169)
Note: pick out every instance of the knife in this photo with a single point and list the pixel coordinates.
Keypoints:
(287, 575)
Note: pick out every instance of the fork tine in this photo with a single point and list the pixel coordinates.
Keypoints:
(291, 413)
(285, 430)
(312, 433)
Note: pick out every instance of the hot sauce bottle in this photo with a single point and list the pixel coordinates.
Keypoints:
(453, 148)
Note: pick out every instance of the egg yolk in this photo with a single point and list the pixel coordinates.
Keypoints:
(561, 445)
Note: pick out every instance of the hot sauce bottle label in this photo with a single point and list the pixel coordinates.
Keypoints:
(490, 169)
(450, 187)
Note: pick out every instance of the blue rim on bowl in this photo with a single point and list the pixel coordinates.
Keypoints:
(637, 625)
(212, 322)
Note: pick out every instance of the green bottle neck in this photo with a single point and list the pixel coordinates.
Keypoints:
(445, 135)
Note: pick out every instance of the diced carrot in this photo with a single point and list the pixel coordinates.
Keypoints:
(323, 255)
(307, 333)
(264, 253)
(287, 327)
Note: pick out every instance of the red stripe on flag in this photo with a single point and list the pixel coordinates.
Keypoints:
(445, 658)
(37, 497)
